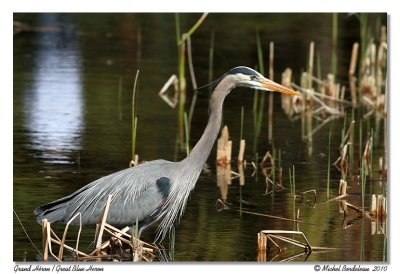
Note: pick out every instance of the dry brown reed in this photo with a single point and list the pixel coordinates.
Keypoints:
(224, 148)
(101, 249)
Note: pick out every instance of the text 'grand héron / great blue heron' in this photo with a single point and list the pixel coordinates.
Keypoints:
(157, 189)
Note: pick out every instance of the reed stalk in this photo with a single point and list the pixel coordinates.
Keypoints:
(344, 130)
(360, 142)
(181, 40)
(371, 154)
(241, 155)
(258, 106)
(211, 60)
(177, 30)
(363, 48)
(172, 243)
(279, 158)
(334, 43)
(271, 94)
(290, 182)
(135, 239)
(255, 106)
(186, 133)
(328, 176)
(362, 242)
(294, 181)
(193, 28)
(384, 253)
(134, 118)
(119, 97)
(351, 149)
(182, 91)
(319, 71)
(310, 66)
(241, 123)
(280, 169)
(242, 141)
(363, 181)
(273, 166)
(194, 82)
(352, 80)
(259, 53)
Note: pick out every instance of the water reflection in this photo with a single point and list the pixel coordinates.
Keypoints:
(53, 108)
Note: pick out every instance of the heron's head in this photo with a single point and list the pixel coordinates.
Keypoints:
(247, 77)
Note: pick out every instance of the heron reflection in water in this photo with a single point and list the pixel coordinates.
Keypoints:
(159, 189)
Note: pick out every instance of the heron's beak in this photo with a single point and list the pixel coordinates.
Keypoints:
(271, 85)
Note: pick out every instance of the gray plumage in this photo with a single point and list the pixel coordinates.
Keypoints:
(155, 190)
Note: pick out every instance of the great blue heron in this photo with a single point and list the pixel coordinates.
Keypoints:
(157, 189)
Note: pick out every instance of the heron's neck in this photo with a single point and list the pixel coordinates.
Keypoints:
(199, 154)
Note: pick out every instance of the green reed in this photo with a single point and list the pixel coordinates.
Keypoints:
(360, 142)
(258, 105)
(328, 176)
(351, 148)
(134, 118)
(181, 39)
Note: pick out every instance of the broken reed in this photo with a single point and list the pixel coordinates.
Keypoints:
(224, 148)
(242, 144)
(101, 248)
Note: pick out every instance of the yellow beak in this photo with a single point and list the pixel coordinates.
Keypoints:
(271, 85)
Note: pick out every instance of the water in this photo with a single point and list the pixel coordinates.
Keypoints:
(72, 125)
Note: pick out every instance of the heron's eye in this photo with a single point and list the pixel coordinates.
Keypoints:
(252, 77)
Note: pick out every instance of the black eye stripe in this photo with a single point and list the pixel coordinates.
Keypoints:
(252, 77)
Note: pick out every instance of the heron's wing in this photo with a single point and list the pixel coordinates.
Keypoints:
(136, 194)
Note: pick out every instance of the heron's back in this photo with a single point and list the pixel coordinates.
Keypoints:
(138, 193)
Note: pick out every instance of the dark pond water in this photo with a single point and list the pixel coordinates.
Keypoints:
(72, 125)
